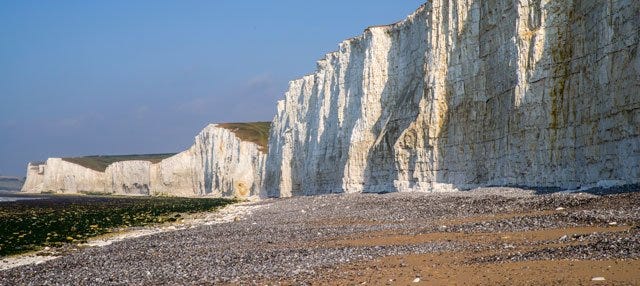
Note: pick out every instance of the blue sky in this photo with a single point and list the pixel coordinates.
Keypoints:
(130, 77)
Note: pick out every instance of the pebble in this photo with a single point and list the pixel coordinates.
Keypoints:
(560, 209)
(280, 248)
(416, 280)
(598, 279)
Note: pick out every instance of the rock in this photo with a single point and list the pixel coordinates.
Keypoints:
(460, 95)
(560, 209)
(416, 280)
(613, 223)
(456, 96)
(598, 279)
(218, 164)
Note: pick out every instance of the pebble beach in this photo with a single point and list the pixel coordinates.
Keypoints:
(485, 236)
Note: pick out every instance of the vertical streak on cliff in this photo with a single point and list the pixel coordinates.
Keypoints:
(437, 90)
(562, 54)
(379, 156)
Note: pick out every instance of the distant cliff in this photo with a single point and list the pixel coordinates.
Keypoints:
(468, 93)
(226, 160)
(11, 183)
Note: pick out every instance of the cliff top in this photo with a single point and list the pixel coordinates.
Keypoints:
(255, 132)
(100, 163)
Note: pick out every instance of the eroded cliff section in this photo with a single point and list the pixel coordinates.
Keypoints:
(469, 93)
(219, 164)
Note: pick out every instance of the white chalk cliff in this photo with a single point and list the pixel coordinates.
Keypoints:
(219, 164)
(461, 94)
(468, 93)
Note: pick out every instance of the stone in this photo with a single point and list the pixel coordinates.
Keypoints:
(598, 279)
(463, 94)
(219, 164)
(459, 95)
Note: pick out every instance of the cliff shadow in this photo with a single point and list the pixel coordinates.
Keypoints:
(473, 110)
(474, 136)
(399, 105)
(337, 145)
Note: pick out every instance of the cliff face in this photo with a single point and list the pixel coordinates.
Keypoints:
(218, 164)
(468, 93)
(57, 175)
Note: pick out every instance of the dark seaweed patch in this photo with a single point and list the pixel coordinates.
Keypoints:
(54, 220)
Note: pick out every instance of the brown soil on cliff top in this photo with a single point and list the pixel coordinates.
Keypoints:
(255, 132)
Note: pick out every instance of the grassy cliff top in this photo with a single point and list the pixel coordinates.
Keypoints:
(256, 132)
(100, 163)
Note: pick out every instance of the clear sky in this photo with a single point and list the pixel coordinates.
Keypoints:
(137, 77)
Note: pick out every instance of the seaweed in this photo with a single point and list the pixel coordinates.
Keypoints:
(29, 225)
